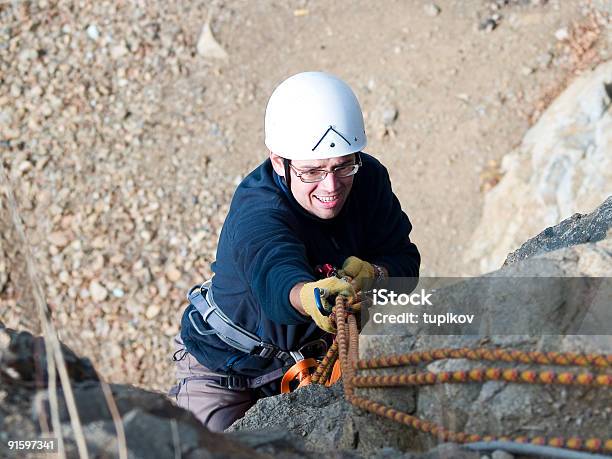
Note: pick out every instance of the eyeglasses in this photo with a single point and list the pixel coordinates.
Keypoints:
(318, 175)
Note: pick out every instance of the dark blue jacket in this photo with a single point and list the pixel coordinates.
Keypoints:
(269, 243)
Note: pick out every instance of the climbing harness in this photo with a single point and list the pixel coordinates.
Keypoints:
(201, 297)
(345, 348)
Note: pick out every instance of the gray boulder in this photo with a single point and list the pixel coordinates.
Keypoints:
(501, 408)
(153, 426)
(23, 359)
(578, 229)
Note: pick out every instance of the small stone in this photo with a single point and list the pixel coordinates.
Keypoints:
(562, 34)
(140, 352)
(389, 115)
(12, 373)
(152, 311)
(118, 51)
(98, 242)
(97, 262)
(58, 239)
(162, 288)
(118, 293)
(64, 277)
(5, 339)
(25, 166)
(526, 70)
(28, 55)
(488, 25)
(544, 60)
(172, 273)
(207, 45)
(97, 291)
(93, 32)
(432, 10)
(114, 350)
(116, 258)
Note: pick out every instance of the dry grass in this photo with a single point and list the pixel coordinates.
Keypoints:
(56, 365)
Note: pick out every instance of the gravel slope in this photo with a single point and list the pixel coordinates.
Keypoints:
(122, 143)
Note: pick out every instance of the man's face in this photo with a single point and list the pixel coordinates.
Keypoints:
(326, 198)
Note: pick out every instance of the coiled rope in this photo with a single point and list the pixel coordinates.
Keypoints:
(346, 348)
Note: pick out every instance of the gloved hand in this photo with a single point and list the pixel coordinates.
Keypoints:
(361, 271)
(331, 286)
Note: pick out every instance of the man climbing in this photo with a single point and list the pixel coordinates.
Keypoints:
(318, 199)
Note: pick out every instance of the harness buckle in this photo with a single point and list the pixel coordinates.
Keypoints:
(235, 382)
(265, 350)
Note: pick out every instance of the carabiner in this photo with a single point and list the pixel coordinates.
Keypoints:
(318, 294)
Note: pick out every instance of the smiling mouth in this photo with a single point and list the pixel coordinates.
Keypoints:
(328, 199)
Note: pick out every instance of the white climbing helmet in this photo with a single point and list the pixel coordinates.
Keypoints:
(314, 115)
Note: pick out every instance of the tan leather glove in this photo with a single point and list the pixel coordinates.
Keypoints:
(361, 271)
(331, 286)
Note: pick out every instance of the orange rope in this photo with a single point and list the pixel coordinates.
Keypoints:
(324, 369)
(445, 435)
(353, 353)
(347, 341)
(484, 374)
(342, 340)
(502, 355)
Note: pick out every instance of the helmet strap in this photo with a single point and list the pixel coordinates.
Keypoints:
(286, 163)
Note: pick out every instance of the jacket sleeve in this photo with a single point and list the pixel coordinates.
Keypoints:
(273, 260)
(389, 231)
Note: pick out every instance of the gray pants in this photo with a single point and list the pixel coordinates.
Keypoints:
(215, 406)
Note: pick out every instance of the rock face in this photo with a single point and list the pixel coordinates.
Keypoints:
(304, 424)
(578, 229)
(501, 408)
(497, 408)
(319, 416)
(153, 426)
(23, 359)
(563, 166)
